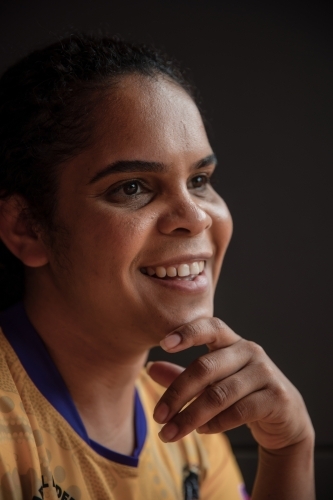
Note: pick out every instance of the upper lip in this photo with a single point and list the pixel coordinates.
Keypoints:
(183, 259)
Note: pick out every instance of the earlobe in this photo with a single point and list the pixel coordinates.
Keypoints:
(18, 235)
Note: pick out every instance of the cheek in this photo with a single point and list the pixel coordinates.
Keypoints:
(222, 221)
(221, 233)
(113, 240)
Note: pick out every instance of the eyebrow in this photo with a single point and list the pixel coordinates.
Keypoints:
(144, 166)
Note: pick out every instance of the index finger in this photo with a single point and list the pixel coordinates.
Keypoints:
(205, 370)
(210, 331)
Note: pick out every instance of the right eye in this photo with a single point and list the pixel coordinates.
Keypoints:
(129, 193)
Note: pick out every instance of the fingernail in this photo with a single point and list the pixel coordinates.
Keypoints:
(203, 429)
(161, 412)
(168, 432)
(171, 341)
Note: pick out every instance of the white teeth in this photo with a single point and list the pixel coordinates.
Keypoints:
(171, 272)
(194, 268)
(161, 272)
(184, 270)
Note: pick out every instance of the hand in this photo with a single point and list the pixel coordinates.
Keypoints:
(235, 383)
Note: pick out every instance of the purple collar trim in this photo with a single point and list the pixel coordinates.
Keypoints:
(38, 364)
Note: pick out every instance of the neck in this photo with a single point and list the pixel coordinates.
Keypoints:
(98, 372)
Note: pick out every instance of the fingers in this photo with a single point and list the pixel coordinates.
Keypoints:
(227, 396)
(211, 331)
(229, 383)
(163, 372)
(251, 408)
(234, 384)
(203, 372)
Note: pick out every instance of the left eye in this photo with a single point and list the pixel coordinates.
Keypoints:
(198, 181)
(131, 188)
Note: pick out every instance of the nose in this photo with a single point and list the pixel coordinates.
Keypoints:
(183, 215)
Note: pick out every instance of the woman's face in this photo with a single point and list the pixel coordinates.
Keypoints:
(136, 203)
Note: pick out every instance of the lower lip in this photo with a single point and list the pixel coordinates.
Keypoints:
(198, 285)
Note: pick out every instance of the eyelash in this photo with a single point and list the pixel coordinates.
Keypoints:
(123, 185)
(205, 177)
(120, 189)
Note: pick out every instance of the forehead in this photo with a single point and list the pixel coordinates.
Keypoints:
(149, 112)
(142, 118)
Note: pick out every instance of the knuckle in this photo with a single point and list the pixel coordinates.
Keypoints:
(255, 349)
(280, 396)
(235, 384)
(217, 395)
(188, 331)
(173, 394)
(216, 323)
(204, 366)
(267, 371)
(191, 331)
(241, 411)
(282, 393)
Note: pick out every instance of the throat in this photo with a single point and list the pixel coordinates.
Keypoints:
(116, 434)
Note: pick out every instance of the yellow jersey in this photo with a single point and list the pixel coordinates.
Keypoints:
(45, 452)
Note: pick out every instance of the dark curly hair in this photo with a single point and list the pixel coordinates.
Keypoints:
(47, 103)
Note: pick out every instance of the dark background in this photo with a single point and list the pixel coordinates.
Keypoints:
(264, 70)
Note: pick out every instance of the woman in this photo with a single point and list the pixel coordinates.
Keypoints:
(116, 237)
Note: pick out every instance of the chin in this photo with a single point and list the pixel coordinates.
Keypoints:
(183, 316)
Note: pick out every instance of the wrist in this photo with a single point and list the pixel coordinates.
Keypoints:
(286, 473)
(302, 450)
(303, 443)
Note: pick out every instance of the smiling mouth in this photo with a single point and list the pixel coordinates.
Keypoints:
(180, 272)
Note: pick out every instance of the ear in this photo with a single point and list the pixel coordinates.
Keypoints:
(18, 235)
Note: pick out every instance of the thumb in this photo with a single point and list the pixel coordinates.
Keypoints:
(163, 372)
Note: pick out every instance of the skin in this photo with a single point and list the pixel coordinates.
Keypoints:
(87, 291)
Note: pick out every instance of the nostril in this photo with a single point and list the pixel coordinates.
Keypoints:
(181, 230)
